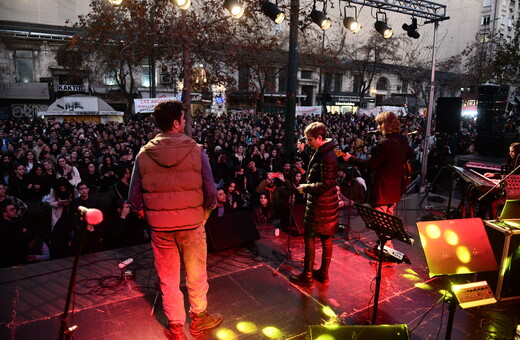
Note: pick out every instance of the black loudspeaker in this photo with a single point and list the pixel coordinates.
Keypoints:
(231, 230)
(373, 332)
(448, 114)
(505, 243)
(296, 219)
(491, 109)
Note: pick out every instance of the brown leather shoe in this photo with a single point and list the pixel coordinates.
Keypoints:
(174, 332)
(203, 321)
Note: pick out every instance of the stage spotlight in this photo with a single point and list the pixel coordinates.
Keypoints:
(235, 8)
(320, 19)
(382, 27)
(273, 12)
(182, 4)
(351, 23)
(412, 29)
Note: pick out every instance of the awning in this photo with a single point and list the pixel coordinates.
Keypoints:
(38, 91)
(80, 105)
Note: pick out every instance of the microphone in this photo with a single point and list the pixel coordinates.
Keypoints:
(92, 216)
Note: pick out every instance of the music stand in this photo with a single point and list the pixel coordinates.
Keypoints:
(454, 247)
(386, 227)
(513, 187)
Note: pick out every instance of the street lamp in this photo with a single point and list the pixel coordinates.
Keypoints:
(115, 2)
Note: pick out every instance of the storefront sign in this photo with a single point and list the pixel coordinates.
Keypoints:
(346, 99)
(71, 88)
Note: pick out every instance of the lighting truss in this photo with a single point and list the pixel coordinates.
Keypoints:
(419, 8)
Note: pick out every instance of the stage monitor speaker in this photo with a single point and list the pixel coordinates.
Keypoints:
(231, 230)
(296, 219)
(448, 114)
(372, 332)
(457, 246)
(505, 242)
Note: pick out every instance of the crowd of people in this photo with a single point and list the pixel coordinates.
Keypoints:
(53, 162)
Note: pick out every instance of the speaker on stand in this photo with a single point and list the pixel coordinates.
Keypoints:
(448, 114)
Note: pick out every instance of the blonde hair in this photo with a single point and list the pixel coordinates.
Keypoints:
(316, 129)
(388, 122)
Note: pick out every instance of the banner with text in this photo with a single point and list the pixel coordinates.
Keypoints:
(146, 105)
(308, 110)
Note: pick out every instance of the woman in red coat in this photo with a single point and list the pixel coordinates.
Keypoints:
(321, 211)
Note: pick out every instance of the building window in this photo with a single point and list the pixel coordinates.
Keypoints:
(270, 80)
(338, 82)
(356, 84)
(145, 73)
(486, 19)
(404, 87)
(282, 80)
(199, 79)
(327, 82)
(110, 78)
(486, 3)
(243, 78)
(382, 84)
(306, 74)
(24, 66)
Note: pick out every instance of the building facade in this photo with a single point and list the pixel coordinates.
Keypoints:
(34, 71)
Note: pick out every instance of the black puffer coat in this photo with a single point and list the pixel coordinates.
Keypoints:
(321, 211)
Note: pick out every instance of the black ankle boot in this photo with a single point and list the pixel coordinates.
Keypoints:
(304, 279)
(322, 275)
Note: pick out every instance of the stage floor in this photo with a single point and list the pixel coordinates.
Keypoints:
(257, 302)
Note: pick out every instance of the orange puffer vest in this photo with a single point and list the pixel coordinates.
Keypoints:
(171, 170)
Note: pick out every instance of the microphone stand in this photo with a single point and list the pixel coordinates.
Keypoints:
(499, 183)
(65, 331)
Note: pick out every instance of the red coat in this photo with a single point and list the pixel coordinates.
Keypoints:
(387, 159)
(321, 211)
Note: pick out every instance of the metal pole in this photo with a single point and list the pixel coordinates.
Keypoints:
(151, 74)
(429, 114)
(292, 77)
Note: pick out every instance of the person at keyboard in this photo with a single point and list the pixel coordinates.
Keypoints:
(512, 161)
(491, 201)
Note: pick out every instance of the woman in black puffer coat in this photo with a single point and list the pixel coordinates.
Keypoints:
(321, 212)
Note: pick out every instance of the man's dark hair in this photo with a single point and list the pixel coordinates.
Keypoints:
(4, 205)
(165, 113)
(82, 183)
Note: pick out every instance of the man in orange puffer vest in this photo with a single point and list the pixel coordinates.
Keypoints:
(172, 187)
